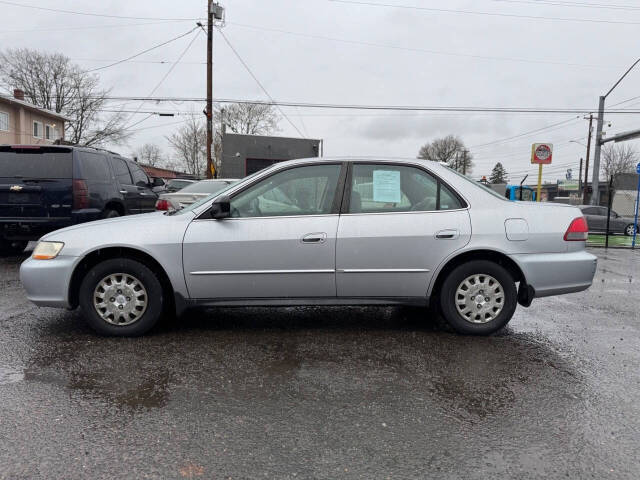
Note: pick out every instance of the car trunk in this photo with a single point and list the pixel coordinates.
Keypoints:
(36, 182)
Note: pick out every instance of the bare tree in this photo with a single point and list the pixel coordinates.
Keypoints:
(190, 145)
(51, 81)
(248, 118)
(618, 159)
(150, 154)
(449, 150)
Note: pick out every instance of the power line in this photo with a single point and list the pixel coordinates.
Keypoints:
(524, 134)
(564, 3)
(142, 52)
(86, 27)
(416, 49)
(91, 14)
(258, 82)
(404, 108)
(170, 70)
(491, 14)
(148, 62)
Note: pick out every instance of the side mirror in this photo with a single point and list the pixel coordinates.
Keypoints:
(221, 208)
(157, 182)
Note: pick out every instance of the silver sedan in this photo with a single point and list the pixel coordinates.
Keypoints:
(320, 232)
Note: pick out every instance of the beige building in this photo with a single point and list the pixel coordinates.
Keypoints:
(22, 123)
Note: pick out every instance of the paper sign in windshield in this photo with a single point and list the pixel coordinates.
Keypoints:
(386, 186)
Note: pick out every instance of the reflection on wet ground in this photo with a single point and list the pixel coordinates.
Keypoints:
(326, 392)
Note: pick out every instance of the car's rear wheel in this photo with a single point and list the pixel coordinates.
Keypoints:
(121, 297)
(478, 297)
(629, 230)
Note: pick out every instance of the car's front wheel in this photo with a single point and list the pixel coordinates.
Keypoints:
(478, 297)
(121, 297)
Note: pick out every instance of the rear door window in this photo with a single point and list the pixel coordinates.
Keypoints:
(139, 177)
(121, 171)
(36, 163)
(95, 167)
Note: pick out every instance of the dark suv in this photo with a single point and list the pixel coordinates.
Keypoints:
(43, 188)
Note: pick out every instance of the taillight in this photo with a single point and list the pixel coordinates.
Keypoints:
(578, 230)
(162, 205)
(80, 194)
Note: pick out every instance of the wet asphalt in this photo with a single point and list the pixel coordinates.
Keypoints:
(327, 393)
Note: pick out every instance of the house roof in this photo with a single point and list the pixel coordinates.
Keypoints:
(31, 106)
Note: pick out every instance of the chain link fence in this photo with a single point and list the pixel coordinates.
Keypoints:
(613, 223)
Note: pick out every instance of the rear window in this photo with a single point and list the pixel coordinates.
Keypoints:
(36, 163)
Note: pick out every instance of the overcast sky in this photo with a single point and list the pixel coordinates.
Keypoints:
(346, 53)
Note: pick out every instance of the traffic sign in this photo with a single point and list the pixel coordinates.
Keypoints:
(541, 153)
(638, 168)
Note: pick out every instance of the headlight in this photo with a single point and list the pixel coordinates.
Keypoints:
(47, 250)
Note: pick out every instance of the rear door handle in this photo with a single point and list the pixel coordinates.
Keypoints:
(450, 234)
(124, 192)
(318, 237)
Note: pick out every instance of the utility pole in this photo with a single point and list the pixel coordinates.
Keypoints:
(214, 12)
(585, 187)
(580, 176)
(209, 112)
(595, 197)
(464, 162)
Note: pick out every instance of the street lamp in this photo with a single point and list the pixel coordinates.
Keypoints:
(595, 198)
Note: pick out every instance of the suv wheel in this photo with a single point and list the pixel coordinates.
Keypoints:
(478, 298)
(121, 297)
(108, 213)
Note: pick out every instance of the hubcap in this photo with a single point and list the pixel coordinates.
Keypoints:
(630, 230)
(479, 298)
(120, 299)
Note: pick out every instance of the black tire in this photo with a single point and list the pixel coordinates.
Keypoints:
(447, 300)
(629, 230)
(108, 213)
(154, 297)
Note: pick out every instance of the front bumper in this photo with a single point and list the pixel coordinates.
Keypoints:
(47, 281)
(557, 273)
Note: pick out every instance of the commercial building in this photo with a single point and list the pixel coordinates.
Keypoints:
(243, 155)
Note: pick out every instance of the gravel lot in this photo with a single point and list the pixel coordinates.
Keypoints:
(327, 392)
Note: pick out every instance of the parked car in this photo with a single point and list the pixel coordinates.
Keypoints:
(345, 232)
(597, 220)
(191, 193)
(44, 188)
(176, 184)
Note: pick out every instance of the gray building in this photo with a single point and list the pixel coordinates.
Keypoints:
(243, 155)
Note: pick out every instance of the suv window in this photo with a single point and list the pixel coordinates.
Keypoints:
(379, 188)
(121, 171)
(94, 167)
(139, 177)
(308, 190)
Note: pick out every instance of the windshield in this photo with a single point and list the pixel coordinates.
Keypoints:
(206, 186)
(477, 184)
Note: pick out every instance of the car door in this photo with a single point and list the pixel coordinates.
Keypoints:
(146, 196)
(279, 242)
(397, 226)
(126, 188)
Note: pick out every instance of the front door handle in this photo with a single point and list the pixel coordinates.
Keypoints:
(124, 192)
(317, 237)
(450, 234)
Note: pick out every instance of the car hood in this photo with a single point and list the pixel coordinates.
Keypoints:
(136, 231)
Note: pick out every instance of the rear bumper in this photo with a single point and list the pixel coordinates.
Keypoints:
(557, 273)
(32, 228)
(47, 281)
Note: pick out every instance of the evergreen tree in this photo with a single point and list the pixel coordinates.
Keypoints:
(498, 174)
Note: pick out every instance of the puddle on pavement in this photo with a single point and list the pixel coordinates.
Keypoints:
(10, 375)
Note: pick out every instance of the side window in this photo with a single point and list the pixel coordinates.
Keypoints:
(308, 190)
(94, 167)
(121, 171)
(139, 177)
(4, 121)
(391, 188)
(37, 129)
